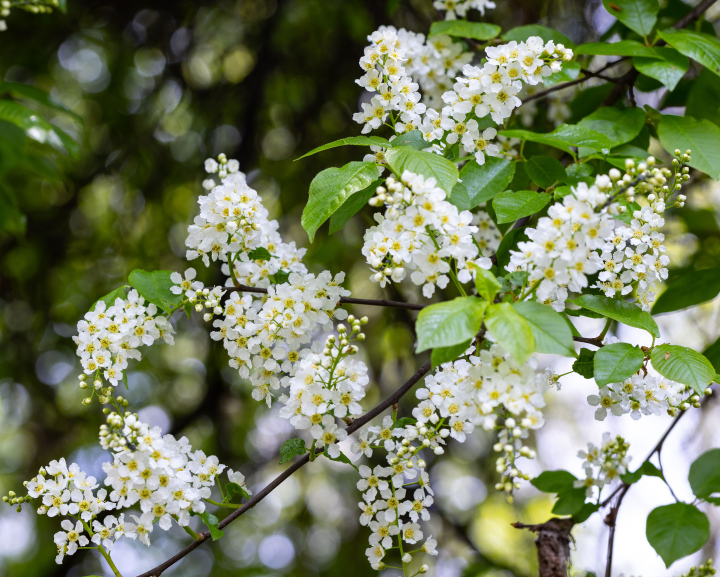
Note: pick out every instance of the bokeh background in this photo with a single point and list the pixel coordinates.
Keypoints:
(160, 86)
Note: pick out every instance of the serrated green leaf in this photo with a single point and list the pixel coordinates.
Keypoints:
(676, 530)
(704, 474)
(620, 126)
(693, 288)
(703, 98)
(564, 137)
(36, 128)
(669, 69)
(622, 48)
(511, 331)
(486, 283)
(544, 170)
(331, 188)
(554, 481)
(442, 355)
(638, 15)
(292, 448)
(427, 164)
(280, 277)
(232, 489)
(449, 323)
(109, 299)
(619, 310)
(341, 458)
(482, 183)
(522, 33)
(701, 47)
(413, 138)
(349, 141)
(212, 523)
(260, 253)
(403, 422)
(510, 206)
(616, 362)
(549, 329)
(352, 206)
(38, 95)
(700, 136)
(569, 71)
(584, 366)
(683, 365)
(465, 29)
(646, 469)
(155, 288)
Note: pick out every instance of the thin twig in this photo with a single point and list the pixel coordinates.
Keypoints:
(577, 81)
(301, 462)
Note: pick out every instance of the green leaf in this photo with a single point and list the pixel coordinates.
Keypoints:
(331, 188)
(701, 47)
(510, 206)
(511, 331)
(350, 140)
(212, 523)
(260, 253)
(486, 283)
(522, 33)
(619, 310)
(564, 137)
(341, 458)
(483, 183)
(700, 136)
(617, 362)
(62, 6)
(291, 449)
(428, 164)
(413, 138)
(449, 323)
(712, 354)
(583, 515)
(669, 69)
(570, 502)
(683, 365)
(109, 299)
(465, 29)
(36, 128)
(36, 94)
(442, 355)
(545, 170)
(554, 481)
(693, 288)
(232, 489)
(620, 126)
(509, 242)
(622, 48)
(155, 288)
(638, 15)
(647, 469)
(703, 99)
(570, 71)
(550, 331)
(352, 206)
(676, 530)
(585, 366)
(704, 474)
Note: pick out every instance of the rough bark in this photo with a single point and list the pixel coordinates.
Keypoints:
(553, 546)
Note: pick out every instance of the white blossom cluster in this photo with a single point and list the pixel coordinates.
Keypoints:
(459, 396)
(634, 256)
(455, 9)
(641, 394)
(433, 63)
(110, 335)
(563, 246)
(233, 223)
(326, 386)
(69, 492)
(420, 232)
(264, 337)
(604, 464)
(159, 473)
(385, 74)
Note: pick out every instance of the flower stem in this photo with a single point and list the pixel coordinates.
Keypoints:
(109, 560)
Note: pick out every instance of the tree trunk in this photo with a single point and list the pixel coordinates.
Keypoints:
(553, 546)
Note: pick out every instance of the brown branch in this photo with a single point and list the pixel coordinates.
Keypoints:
(553, 545)
(301, 462)
(343, 300)
(588, 75)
